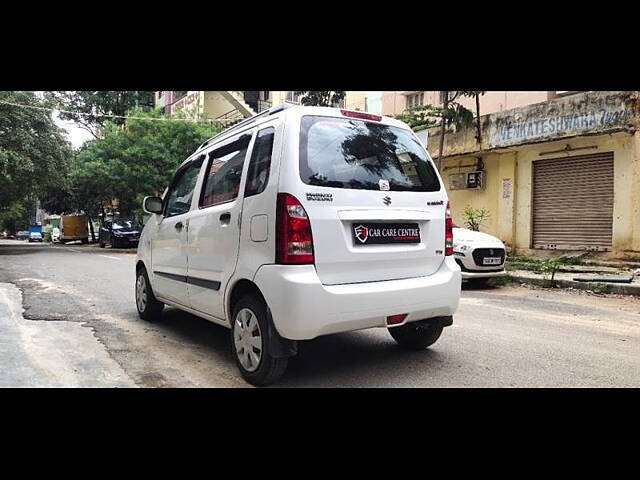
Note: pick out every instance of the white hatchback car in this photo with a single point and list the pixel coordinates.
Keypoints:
(301, 222)
(481, 256)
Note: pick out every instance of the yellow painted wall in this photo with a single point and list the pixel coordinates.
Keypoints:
(626, 187)
(496, 167)
(511, 219)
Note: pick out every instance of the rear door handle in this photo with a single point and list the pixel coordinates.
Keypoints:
(225, 218)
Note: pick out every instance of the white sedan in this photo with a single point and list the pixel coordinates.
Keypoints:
(480, 255)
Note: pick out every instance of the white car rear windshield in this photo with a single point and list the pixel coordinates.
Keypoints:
(347, 153)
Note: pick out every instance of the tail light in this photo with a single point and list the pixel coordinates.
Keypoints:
(396, 319)
(294, 244)
(364, 116)
(448, 232)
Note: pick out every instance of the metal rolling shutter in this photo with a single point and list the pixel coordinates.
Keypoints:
(573, 202)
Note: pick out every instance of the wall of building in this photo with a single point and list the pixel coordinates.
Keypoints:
(215, 105)
(626, 187)
(394, 103)
(513, 140)
(190, 105)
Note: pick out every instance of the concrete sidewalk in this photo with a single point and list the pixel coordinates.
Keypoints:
(48, 353)
(566, 280)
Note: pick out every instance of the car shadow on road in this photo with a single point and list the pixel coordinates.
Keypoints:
(198, 331)
(479, 286)
(368, 358)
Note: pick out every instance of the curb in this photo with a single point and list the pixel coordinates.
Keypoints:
(616, 288)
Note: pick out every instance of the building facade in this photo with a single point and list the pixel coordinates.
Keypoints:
(561, 175)
(394, 103)
(228, 107)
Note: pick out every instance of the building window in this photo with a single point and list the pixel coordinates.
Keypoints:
(179, 95)
(292, 97)
(415, 100)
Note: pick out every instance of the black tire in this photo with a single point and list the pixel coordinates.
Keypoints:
(113, 242)
(269, 368)
(101, 244)
(417, 335)
(152, 308)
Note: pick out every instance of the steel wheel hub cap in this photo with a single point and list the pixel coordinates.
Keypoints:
(141, 293)
(247, 339)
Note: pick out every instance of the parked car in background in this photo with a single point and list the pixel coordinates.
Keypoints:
(22, 235)
(120, 233)
(35, 237)
(480, 255)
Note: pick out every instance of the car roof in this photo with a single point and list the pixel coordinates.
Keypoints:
(284, 111)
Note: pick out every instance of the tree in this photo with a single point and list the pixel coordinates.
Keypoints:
(456, 114)
(90, 104)
(321, 99)
(130, 161)
(17, 216)
(33, 151)
(420, 117)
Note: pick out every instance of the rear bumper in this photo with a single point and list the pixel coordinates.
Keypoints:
(303, 308)
(472, 275)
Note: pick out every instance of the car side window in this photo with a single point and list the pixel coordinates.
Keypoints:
(260, 164)
(222, 181)
(181, 191)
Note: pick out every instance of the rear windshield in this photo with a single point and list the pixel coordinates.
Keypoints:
(346, 153)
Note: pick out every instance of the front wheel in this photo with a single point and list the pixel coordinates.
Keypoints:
(149, 308)
(417, 335)
(250, 343)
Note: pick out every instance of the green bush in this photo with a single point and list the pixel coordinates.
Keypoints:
(474, 217)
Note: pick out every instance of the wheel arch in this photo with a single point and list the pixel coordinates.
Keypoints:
(240, 288)
(140, 265)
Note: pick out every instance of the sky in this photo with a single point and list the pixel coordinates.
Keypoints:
(76, 135)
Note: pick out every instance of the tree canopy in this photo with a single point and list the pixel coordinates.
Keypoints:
(89, 105)
(421, 117)
(33, 151)
(321, 99)
(129, 162)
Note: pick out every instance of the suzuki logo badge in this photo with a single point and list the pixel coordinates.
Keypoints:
(387, 201)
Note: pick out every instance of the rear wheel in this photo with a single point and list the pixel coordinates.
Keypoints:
(417, 335)
(149, 308)
(250, 342)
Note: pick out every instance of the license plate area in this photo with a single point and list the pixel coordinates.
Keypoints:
(491, 261)
(373, 233)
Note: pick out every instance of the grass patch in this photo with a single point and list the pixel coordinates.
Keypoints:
(539, 265)
(602, 288)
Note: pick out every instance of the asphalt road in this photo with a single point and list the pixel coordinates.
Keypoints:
(80, 328)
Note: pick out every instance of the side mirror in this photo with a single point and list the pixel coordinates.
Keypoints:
(152, 205)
